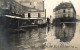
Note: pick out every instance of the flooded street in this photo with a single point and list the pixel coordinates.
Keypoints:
(39, 25)
(54, 37)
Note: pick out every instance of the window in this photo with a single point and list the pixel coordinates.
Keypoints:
(39, 15)
(29, 15)
(30, 3)
(64, 11)
(68, 11)
(64, 5)
(68, 15)
(34, 7)
(69, 5)
(64, 15)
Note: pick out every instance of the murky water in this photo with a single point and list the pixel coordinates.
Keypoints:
(53, 37)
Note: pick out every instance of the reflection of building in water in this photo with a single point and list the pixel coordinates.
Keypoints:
(49, 27)
(65, 32)
(33, 39)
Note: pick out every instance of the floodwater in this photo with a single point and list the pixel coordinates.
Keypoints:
(62, 36)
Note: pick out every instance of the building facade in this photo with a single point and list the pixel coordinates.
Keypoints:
(65, 10)
(31, 10)
(36, 11)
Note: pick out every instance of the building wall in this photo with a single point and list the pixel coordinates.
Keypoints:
(35, 7)
(68, 12)
(35, 14)
(59, 13)
(38, 6)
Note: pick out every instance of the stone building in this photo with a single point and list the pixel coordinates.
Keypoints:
(32, 11)
(36, 11)
(65, 9)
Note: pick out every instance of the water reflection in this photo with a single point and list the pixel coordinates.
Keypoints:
(33, 39)
(40, 38)
(65, 31)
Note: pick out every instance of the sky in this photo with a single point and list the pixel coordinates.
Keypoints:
(51, 4)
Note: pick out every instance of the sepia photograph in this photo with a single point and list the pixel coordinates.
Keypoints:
(39, 24)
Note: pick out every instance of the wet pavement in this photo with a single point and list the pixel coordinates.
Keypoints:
(53, 37)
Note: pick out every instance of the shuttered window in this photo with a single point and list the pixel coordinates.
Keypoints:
(39, 15)
(29, 15)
